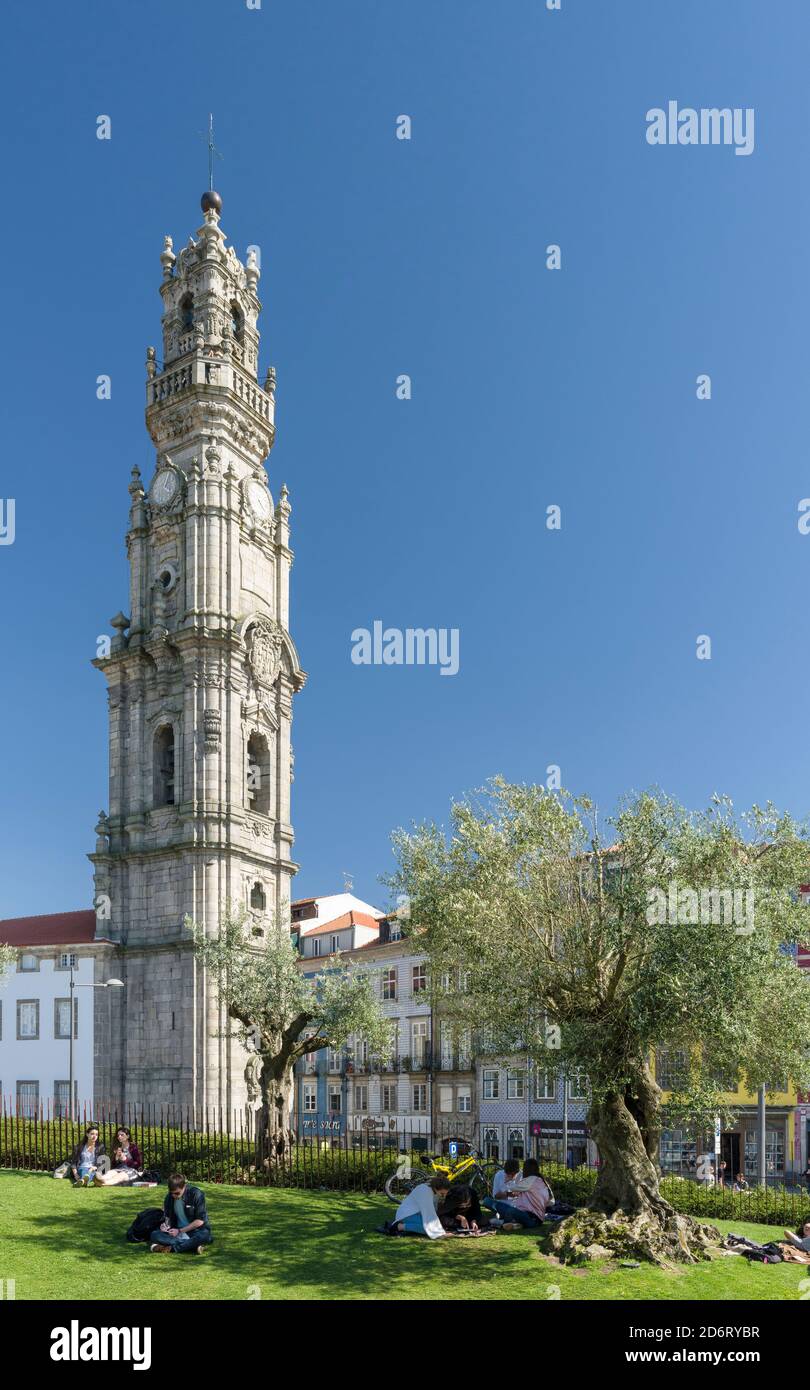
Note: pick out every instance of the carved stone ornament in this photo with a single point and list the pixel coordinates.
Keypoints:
(211, 726)
(264, 653)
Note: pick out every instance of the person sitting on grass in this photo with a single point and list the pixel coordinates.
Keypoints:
(184, 1229)
(126, 1166)
(416, 1214)
(525, 1200)
(87, 1155)
(509, 1173)
(460, 1210)
(801, 1240)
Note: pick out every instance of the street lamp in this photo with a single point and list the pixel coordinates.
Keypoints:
(74, 985)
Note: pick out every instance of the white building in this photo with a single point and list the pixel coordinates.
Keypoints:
(35, 1010)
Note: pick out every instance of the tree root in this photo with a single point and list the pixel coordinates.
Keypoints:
(660, 1237)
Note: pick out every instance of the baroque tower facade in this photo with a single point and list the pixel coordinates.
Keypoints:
(201, 677)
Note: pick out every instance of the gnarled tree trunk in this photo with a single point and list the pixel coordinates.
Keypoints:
(274, 1136)
(627, 1215)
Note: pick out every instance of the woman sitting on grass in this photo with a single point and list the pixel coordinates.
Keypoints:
(126, 1161)
(801, 1240)
(84, 1163)
(460, 1211)
(417, 1212)
(525, 1200)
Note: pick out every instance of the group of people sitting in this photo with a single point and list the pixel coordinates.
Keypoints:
(439, 1208)
(90, 1162)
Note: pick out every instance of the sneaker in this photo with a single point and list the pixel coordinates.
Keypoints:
(200, 1250)
(158, 1249)
(511, 1226)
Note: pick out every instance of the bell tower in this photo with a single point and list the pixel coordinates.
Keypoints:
(201, 677)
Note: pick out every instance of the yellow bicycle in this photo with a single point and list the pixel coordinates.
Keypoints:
(468, 1169)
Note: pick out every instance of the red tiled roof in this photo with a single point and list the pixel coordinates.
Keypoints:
(348, 919)
(55, 929)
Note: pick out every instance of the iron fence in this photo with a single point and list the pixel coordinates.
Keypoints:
(210, 1146)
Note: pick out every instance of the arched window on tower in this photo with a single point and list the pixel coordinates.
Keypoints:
(237, 323)
(258, 898)
(164, 766)
(258, 775)
(187, 313)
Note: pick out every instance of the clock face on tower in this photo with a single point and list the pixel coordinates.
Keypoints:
(164, 486)
(258, 500)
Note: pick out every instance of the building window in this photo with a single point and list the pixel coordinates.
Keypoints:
(237, 323)
(515, 1088)
(186, 313)
(310, 1099)
(678, 1151)
(27, 1019)
(335, 1100)
(316, 946)
(445, 1099)
(420, 1099)
(578, 1086)
(545, 1087)
(67, 960)
(61, 1093)
(492, 1144)
(333, 1063)
(671, 1068)
(464, 1100)
(28, 962)
(361, 1097)
(61, 1018)
(334, 943)
(258, 898)
(446, 1045)
(516, 1144)
(465, 1048)
(419, 977)
(395, 932)
(258, 775)
(419, 1042)
(492, 1085)
(389, 984)
(28, 1099)
(164, 766)
(388, 1097)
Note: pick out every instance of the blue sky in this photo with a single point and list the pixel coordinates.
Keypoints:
(530, 388)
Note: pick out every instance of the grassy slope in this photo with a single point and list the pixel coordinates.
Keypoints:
(295, 1245)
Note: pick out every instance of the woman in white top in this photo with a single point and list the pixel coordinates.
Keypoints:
(416, 1213)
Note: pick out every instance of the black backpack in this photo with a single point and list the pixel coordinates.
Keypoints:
(144, 1224)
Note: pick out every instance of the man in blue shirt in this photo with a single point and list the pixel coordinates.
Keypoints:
(185, 1229)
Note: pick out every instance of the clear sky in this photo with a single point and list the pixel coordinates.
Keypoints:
(531, 387)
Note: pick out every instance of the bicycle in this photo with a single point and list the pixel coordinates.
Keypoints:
(467, 1169)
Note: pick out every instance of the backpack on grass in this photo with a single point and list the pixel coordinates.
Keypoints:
(144, 1224)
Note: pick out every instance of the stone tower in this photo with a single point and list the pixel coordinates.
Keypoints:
(200, 679)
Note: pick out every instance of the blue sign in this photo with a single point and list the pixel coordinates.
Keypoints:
(452, 1148)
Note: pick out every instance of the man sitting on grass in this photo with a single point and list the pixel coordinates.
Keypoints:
(184, 1229)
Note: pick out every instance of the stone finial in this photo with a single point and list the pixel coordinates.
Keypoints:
(102, 833)
(151, 362)
(120, 623)
(270, 381)
(213, 456)
(136, 486)
(167, 258)
(252, 271)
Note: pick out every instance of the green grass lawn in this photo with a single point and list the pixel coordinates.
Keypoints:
(57, 1241)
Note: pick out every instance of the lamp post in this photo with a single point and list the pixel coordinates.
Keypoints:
(74, 985)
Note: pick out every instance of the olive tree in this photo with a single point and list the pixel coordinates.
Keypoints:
(671, 931)
(281, 1013)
